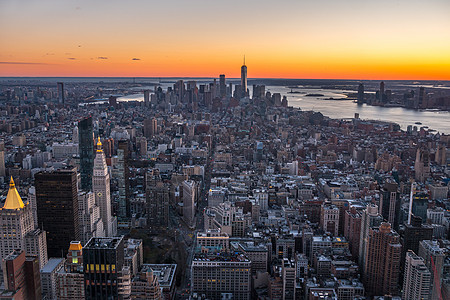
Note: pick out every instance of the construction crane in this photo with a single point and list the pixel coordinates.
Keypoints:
(437, 281)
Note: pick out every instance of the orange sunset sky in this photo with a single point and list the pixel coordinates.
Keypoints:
(348, 39)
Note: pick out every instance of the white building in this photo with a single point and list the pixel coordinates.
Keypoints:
(417, 280)
(90, 222)
(102, 193)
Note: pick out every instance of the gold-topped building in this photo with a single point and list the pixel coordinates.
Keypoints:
(13, 199)
(17, 230)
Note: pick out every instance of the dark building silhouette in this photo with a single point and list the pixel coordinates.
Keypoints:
(222, 86)
(361, 93)
(60, 92)
(414, 234)
(123, 179)
(86, 149)
(103, 260)
(390, 203)
(157, 198)
(57, 209)
(382, 94)
(244, 80)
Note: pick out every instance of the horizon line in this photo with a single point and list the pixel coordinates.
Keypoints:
(237, 78)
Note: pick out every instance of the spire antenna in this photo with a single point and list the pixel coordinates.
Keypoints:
(244, 59)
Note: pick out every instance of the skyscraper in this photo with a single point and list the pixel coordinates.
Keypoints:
(422, 165)
(91, 224)
(382, 96)
(222, 86)
(57, 208)
(86, 150)
(414, 233)
(390, 203)
(104, 272)
(382, 261)
(101, 188)
(123, 179)
(370, 218)
(17, 228)
(416, 283)
(147, 98)
(422, 97)
(361, 93)
(244, 79)
(60, 92)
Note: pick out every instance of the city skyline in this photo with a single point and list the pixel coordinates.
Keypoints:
(292, 39)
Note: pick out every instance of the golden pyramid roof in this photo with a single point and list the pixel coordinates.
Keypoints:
(13, 200)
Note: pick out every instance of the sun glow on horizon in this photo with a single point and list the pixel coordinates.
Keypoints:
(290, 39)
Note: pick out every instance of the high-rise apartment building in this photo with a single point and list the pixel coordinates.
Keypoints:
(57, 208)
(370, 218)
(288, 274)
(102, 192)
(86, 150)
(417, 279)
(382, 261)
(433, 254)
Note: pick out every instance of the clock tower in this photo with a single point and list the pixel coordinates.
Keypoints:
(101, 189)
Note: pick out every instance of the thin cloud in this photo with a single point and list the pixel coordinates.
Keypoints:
(102, 57)
(21, 63)
(134, 58)
(71, 58)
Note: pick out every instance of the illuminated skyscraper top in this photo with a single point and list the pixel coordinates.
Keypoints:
(244, 79)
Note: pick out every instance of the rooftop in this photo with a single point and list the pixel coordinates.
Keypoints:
(13, 200)
(103, 242)
(52, 265)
